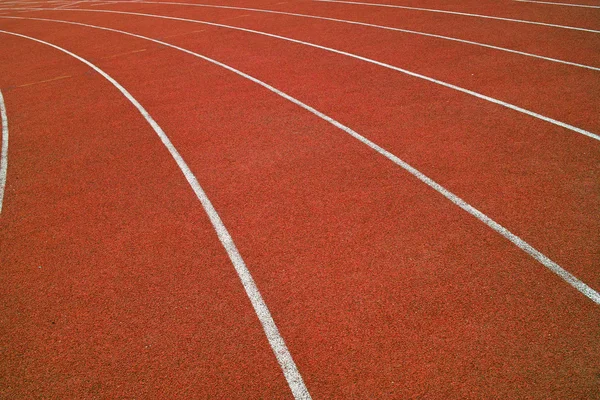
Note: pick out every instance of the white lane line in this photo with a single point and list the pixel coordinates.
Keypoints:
(4, 153)
(557, 4)
(369, 60)
(574, 28)
(94, 4)
(281, 351)
(516, 240)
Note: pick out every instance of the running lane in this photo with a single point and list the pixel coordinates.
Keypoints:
(382, 287)
(114, 282)
(579, 17)
(541, 40)
(545, 41)
(532, 84)
(546, 176)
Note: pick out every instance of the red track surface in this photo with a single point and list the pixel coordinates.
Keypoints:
(115, 285)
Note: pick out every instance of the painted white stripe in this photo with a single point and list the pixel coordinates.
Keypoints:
(516, 240)
(557, 4)
(574, 28)
(281, 351)
(369, 60)
(522, 53)
(4, 153)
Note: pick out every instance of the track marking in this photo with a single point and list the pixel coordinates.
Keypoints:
(100, 4)
(236, 17)
(516, 240)
(71, 4)
(281, 351)
(28, 3)
(574, 28)
(123, 54)
(44, 81)
(369, 60)
(363, 24)
(23, 3)
(184, 34)
(4, 152)
(557, 4)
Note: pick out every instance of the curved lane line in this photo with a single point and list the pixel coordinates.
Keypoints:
(557, 4)
(389, 28)
(283, 355)
(516, 240)
(4, 152)
(369, 60)
(574, 28)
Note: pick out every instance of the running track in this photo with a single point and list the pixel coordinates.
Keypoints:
(186, 211)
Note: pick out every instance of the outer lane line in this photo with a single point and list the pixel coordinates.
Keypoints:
(361, 24)
(277, 343)
(4, 152)
(557, 4)
(460, 13)
(516, 240)
(369, 60)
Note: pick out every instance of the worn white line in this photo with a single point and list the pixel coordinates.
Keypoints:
(100, 4)
(26, 9)
(44, 81)
(23, 3)
(4, 152)
(557, 4)
(461, 13)
(71, 4)
(516, 240)
(369, 60)
(281, 351)
(470, 42)
(34, 2)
